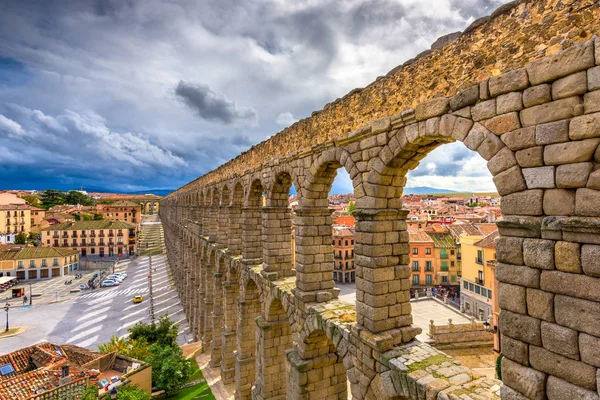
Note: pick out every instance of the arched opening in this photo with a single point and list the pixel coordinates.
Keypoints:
(252, 248)
(245, 363)
(277, 228)
(316, 370)
(234, 241)
(217, 313)
(274, 339)
(223, 217)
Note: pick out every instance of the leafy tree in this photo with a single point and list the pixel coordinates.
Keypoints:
(170, 370)
(98, 217)
(351, 207)
(163, 332)
(87, 217)
(134, 348)
(75, 197)
(76, 216)
(132, 393)
(91, 393)
(21, 238)
(31, 200)
(51, 198)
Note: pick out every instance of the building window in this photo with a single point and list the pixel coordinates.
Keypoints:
(428, 279)
(55, 262)
(428, 250)
(32, 263)
(480, 276)
(452, 263)
(444, 265)
(415, 265)
(443, 253)
(415, 250)
(466, 285)
(489, 294)
(477, 289)
(346, 243)
(444, 279)
(44, 262)
(451, 252)
(484, 292)
(453, 279)
(479, 259)
(20, 264)
(471, 287)
(428, 266)
(415, 279)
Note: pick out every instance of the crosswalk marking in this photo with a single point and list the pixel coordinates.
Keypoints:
(114, 293)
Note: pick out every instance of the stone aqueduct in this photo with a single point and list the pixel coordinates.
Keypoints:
(522, 89)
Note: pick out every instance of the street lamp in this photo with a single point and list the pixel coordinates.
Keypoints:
(6, 308)
(487, 327)
(30, 295)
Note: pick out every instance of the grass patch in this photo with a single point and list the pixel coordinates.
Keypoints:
(433, 360)
(11, 331)
(199, 391)
(197, 372)
(151, 252)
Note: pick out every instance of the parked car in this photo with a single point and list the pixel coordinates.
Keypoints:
(109, 282)
(84, 286)
(115, 278)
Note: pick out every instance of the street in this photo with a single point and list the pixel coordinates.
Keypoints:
(90, 318)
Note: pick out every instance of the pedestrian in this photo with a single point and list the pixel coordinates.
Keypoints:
(24, 299)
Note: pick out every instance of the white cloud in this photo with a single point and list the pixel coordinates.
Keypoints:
(285, 119)
(9, 126)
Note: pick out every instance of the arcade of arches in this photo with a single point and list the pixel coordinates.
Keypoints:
(275, 327)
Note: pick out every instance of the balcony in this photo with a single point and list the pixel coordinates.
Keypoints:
(92, 234)
(55, 236)
(111, 234)
(478, 261)
(120, 233)
(101, 235)
(479, 281)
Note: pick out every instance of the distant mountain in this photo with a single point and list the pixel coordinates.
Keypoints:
(426, 190)
(158, 192)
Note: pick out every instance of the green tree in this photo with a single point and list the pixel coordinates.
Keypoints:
(75, 197)
(132, 393)
(170, 370)
(351, 207)
(76, 216)
(163, 332)
(31, 200)
(134, 348)
(98, 217)
(21, 238)
(91, 393)
(87, 217)
(51, 198)
(32, 237)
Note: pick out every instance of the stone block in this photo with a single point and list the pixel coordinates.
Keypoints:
(527, 381)
(591, 102)
(538, 253)
(593, 78)
(484, 110)
(576, 285)
(585, 127)
(509, 250)
(537, 95)
(531, 157)
(476, 136)
(589, 348)
(539, 178)
(507, 393)
(521, 327)
(597, 50)
(572, 176)
(572, 371)
(510, 181)
(559, 202)
(528, 202)
(594, 180)
(548, 112)
(503, 123)
(466, 97)
(571, 85)
(540, 304)
(509, 102)
(567, 257)
(581, 315)
(560, 340)
(432, 108)
(518, 275)
(515, 350)
(502, 161)
(587, 202)
(508, 82)
(575, 58)
(570, 152)
(490, 146)
(590, 259)
(512, 298)
(521, 138)
(558, 389)
(553, 132)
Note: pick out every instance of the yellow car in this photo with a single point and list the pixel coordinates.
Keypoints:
(137, 299)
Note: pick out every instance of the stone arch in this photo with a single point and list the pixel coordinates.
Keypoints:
(252, 222)
(321, 174)
(316, 369)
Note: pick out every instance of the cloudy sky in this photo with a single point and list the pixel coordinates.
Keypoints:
(130, 95)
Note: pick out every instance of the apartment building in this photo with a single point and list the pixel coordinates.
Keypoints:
(344, 270)
(445, 260)
(15, 218)
(478, 281)
(25, 262)
(93, 238)
(123, 210)
(422, 257)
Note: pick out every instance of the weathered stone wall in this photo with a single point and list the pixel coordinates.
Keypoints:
(537, 125)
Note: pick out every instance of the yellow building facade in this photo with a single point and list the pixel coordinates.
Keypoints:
(25, 262)
(15, 218)
(478, 275)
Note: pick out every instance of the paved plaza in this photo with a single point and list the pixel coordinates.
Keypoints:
(89, 318)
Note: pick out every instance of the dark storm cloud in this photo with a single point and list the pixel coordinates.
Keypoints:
(213, 106)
